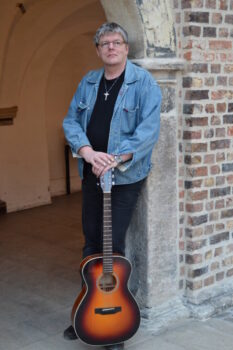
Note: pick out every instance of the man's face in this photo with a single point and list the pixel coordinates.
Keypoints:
(112, 49)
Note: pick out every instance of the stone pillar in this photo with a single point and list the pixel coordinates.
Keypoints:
(152, 241)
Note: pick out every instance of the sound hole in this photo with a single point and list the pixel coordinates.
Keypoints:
(107, 282)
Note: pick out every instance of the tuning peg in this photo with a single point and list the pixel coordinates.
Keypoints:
(113, 183)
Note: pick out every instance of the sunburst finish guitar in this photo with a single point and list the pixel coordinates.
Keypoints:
(105, 312)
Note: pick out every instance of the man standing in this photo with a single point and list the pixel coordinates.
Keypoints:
(112, 123)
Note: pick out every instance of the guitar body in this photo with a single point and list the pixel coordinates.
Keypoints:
(105, 312)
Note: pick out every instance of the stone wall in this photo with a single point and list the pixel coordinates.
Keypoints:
(204, 39)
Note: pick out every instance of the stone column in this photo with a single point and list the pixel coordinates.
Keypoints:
(152, 241)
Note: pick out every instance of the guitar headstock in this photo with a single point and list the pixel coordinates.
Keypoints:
(106, 182)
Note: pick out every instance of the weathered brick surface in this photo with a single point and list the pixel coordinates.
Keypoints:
(205, 41)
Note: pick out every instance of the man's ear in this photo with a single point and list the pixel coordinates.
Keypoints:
(97, 51)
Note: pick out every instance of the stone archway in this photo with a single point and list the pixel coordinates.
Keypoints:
(152, 42)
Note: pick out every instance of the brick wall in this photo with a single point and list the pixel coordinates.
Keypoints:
(204, 31)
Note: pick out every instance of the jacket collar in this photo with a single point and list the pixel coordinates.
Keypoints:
(130, 74)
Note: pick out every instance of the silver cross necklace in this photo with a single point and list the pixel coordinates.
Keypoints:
(106, 93)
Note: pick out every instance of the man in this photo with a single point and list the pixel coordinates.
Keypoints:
(112, 123)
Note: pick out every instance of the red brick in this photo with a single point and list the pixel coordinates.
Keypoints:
(192, 208)
(229, 248)
(209, 108)
(192, 30)
(229, 202)
(193, 285)
(195, 245)
(194, 232)
(196, 172)
(221, 107)
(215, 68)
(209, 81)
(191, 3)
(223, 32)
(188, 56)
(216, 18)
(214, 170)
(228, 68)
(208, 281)
(199, 195)
(223, 4)
(220, 227)
(192, 160)
(181, 194)
(229, 19)
(199, 147)
(196, 121)
(215, 120)
(215, 266)
(197, 94)
(220, 45)
(209, 159)
(230, 179)
(209, 133)
(220, 132)
(220, 144)
(209, 206)
(209, 229)
(219, 276)
(214, 216)
(220, 180)
(209, 32)
(222, 80)
(218, 251)
(219, 94)
(220, 156)
(210, 4)
(188, 135)
(220, 204)
(193, 259)
(230, 131)
(181, 207)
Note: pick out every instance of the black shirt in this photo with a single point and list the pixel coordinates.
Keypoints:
(99, 125)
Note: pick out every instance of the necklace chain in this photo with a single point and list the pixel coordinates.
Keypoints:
(106, 93)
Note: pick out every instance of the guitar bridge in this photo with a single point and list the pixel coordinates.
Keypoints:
(108, 310)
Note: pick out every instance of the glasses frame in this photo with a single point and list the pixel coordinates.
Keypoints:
(106, 44)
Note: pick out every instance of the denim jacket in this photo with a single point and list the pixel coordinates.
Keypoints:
(134, 126)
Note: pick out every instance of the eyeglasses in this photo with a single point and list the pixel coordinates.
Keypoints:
(106, 44)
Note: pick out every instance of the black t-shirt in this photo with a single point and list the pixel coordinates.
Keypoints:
(99, 125)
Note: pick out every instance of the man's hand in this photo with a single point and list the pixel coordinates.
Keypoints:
(101, 162)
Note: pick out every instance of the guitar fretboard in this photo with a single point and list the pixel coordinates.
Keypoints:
(107, 233)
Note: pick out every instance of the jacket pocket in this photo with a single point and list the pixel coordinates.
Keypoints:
(129, 119)
(81, 107)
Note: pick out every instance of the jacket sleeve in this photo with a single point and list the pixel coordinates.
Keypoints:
(147, 131)
(74, 133)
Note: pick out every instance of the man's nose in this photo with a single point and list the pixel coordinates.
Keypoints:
(110, 45)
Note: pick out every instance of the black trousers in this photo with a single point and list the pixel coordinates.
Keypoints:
(123, 198)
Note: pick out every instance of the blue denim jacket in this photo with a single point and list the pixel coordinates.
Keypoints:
(135, 122)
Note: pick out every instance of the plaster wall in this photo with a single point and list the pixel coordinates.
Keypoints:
(41, 68)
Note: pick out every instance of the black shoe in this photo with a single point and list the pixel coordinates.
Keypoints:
(69, 333)
(115, 347)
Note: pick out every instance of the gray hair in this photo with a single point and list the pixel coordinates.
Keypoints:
(110, 28)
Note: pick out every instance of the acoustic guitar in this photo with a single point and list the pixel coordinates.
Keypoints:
(105, 312)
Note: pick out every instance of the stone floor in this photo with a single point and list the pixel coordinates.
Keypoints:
(40, 250)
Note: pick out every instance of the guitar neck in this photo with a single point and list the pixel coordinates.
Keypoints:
(107, 233)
